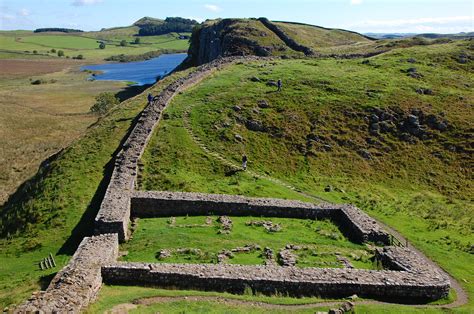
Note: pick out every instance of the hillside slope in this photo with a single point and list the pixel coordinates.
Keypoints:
(392, 134)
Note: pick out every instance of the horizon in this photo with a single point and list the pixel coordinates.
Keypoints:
(363, 16)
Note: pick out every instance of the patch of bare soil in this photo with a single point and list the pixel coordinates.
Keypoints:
(19, 68)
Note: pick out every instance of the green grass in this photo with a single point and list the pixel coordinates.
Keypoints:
(426, 198)
(56, 208)
(24, 43)
(321, 238)
(111, 296)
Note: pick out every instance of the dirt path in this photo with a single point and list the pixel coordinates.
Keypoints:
(462, 297)
(125, 307)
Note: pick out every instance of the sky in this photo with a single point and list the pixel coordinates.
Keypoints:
(380, 16)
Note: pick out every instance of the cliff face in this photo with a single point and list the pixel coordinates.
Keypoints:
(232, 37)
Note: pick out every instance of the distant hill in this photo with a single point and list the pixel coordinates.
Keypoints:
(462, 35)
(226, 37)
(144, 21)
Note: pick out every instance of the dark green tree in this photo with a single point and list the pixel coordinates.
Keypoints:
(102, 45)
(137, 40)
(123, 43)
(60, 53)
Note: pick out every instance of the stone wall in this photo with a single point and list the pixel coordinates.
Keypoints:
(418, 283)
(353, 222)
(114, 213)
(290, 42)
(77, 284)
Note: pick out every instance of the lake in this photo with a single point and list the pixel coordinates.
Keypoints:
(140, 72)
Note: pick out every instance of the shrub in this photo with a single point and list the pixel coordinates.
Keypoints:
(37, 82)
(78, 57)
(60, 53)
(137, 40)
(123, 43)
(35, 52)
(102, 45)
(53, 50)
(103, 102)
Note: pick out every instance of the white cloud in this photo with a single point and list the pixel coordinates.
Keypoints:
(79, 3)
(212, 7)
(6, 17)
(356, 2)
(24, 12)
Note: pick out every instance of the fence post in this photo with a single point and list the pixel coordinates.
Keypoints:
(52, 259)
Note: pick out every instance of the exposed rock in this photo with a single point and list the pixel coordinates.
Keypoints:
(226, 224)
(255, 79)
(263, 104)
(239, 137)
(328, 188)
(268, 225)
(165, 253)
(254, 125)
(287, 258)
(272, 83)
(365, 154)
(237, 108)
(424, 91)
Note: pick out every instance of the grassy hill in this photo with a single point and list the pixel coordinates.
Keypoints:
(362, 131)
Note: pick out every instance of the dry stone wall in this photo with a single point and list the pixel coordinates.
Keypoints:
(355, 223)
(77, 284)
(418, 282)
(114, 213)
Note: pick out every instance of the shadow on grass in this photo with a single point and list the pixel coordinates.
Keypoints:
(85, 227)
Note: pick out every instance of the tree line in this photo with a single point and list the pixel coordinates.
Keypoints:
(56, 29)
(171, 24)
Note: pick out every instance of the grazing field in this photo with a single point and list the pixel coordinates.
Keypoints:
(39, 120)
(85, 44)
(199, 239)
(340, 130)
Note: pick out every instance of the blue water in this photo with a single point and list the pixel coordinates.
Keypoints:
(141, 72)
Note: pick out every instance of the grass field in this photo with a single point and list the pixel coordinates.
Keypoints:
(39, 120)
(85, 44)
(421, 188)
(319, 241)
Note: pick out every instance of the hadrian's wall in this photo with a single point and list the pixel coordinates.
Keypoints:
(77, 284)
(114, 213)
(356, 224)
(419, 282)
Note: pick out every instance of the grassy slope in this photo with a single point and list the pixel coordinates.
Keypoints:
(39, 120)
(424, 197)
(60, 203)
(317, 37)
(322, 238)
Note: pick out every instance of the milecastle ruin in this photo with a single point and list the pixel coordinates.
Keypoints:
(406, 274)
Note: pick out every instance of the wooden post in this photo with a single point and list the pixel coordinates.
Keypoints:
(41, 265)
(52, 259)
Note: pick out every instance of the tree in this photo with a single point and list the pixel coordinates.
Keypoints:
(103, 102)
(102, 45)
(60, 53)
(53, 50)
(123, 43)
(137, 40)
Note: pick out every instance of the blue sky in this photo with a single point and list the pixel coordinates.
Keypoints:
(418, 16)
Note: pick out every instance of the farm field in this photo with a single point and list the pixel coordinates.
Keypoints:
(25, 43)
(39, 120)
